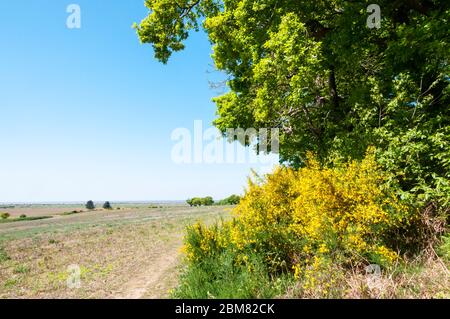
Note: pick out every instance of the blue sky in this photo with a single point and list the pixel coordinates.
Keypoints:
(88, 113)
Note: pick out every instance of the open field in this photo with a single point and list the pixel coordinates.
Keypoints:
(127, 253)
(33, 210)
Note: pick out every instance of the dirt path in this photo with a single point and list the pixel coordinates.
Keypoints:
(158, 278)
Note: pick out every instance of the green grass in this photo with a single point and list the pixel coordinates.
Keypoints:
(219, 277)
(10, 282)
(21, 269)
(20, 219)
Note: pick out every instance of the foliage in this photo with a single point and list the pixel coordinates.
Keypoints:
(200, 201)
(331, 84)
(304, 222)
(90, 205)
(5, 215)
(230, 200)
(213, 270)
(107, 205)
(23, 216)
(333, 87)
(221, 277)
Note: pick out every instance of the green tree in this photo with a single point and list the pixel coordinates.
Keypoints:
(90, 205)
(331, 84)
(200, 201)
(233, 200)
(107, 205)
(230, 200)
(196, 201)
(207, 201)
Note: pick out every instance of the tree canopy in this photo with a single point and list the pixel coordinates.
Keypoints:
(90, 205)
(200, 201)
(331, 84)
(230, 200)
(107, 205)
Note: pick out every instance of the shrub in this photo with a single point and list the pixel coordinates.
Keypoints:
(346, 211)
(23, 216)
(90, 205)
(303, 222)
(5, 215)
(107, 205)
(207, 201)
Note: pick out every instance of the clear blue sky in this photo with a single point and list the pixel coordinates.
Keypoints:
(88, 113)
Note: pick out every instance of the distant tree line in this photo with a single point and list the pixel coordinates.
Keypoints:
(230, 200)
(208, 201)
(200, 201)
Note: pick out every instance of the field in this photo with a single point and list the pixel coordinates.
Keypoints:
(133, 252)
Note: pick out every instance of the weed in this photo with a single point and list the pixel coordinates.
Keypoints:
(21, 269)
(3, 255)
(11, 282)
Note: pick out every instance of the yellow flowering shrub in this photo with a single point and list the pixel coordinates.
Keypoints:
(201, 241)
(301, 221)
(345, 209)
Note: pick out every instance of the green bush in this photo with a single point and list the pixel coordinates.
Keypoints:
(90, 205)
(107, 205)
(5, 215)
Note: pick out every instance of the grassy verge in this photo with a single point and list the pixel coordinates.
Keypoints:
(220, 277)
(425, 276)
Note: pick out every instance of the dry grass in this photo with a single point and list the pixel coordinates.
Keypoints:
(111, 255)
(425, 277)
